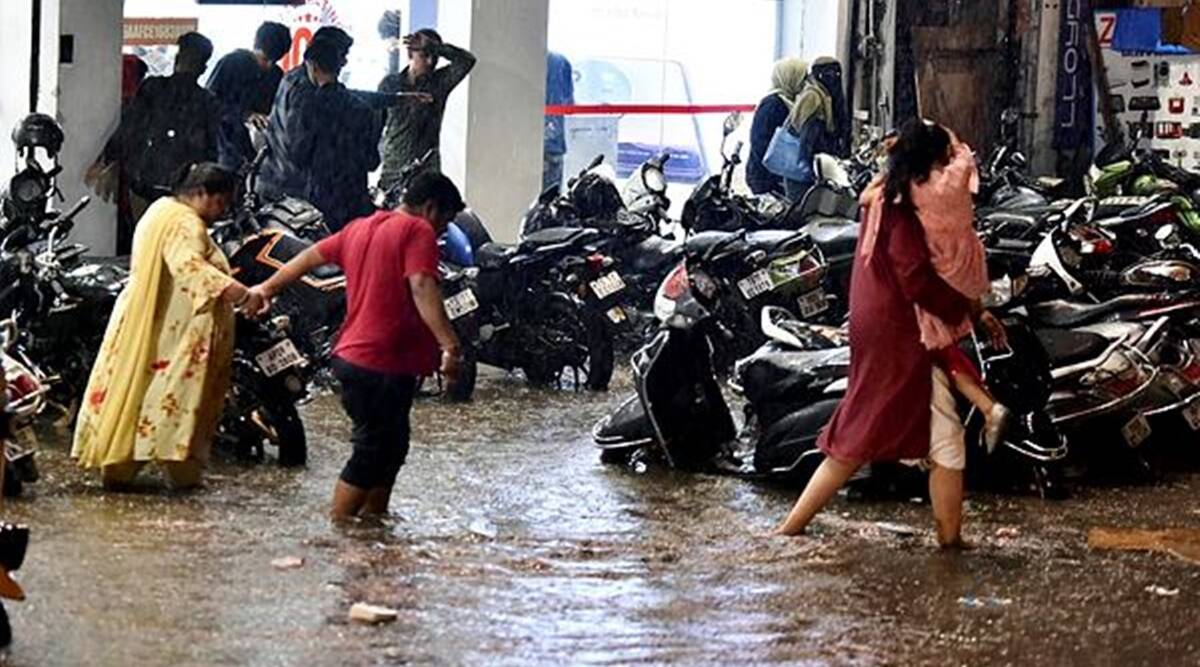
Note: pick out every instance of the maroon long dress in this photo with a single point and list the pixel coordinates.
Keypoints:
(885, 415)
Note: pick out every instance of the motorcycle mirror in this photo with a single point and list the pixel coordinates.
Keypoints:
(596, 161)
(732, 122)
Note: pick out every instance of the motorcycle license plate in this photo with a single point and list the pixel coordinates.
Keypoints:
(1191, 414)
(755, 284)
(280, 357)
(463, 303)
(617, 315)
(608, 285)
(813, 303)
(25, 438)
(1136, 431)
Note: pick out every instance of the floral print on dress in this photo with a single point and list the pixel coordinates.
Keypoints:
(167, 349)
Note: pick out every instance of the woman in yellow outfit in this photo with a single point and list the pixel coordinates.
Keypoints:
(157, 387)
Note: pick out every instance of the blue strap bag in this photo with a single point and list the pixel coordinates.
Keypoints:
(785, 156)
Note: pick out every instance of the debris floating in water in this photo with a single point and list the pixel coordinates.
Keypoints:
(369, 613)
(288, 563)
(1162, 590)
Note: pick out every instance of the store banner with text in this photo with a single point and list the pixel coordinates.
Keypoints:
(1073, 115)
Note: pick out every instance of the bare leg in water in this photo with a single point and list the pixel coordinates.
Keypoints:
(946, 495)
(348, 501)
(830, 476)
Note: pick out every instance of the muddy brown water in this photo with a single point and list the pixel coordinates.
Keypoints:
(512, 544)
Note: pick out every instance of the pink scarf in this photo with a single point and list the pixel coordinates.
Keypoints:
(946, 210)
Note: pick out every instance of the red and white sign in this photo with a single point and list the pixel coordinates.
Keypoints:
(304, 21)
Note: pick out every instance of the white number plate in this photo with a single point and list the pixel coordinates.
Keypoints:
(606, 286)
(1136, 431)
(757, 283)
(813, 303)
(463, 303)
(280, 357)
(1191, 414)
(26, 438)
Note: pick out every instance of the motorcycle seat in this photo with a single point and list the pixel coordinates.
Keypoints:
(778, 242)
(702, 243)
(655, 253)
(1062, 313)
(1066, 347)
(837, 237)
(494, 255)
(556, 238)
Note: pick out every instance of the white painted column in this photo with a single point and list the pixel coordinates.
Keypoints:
(89, 107)
(506, 101)
(16, 26)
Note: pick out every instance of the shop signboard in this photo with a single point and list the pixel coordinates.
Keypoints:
(156, 31)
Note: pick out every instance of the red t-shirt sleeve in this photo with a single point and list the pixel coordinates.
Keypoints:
(421, 252)
(330, 248)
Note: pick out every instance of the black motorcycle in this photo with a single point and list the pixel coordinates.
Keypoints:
(259, 240)
(632, 236)
(546, 305)
(60, 301)
(270, 378)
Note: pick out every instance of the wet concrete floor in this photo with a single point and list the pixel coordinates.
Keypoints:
(512, 544)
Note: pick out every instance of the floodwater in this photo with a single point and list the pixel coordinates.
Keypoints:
(512, 544)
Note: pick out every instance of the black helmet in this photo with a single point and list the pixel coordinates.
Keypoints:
(595, 196)
(38, 130)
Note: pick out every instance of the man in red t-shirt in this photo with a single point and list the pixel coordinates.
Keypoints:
(395, 323)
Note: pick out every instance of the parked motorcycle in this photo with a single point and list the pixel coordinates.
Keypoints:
(270, 379)
(22, 399)
(680, 415)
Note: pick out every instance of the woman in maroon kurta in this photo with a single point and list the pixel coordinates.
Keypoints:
(886, 413)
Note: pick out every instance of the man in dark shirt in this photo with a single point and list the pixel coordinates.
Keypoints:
(413, 128)
(171, 123)
(395, 323)
(339, 140)
(245, 82)
(287, 169)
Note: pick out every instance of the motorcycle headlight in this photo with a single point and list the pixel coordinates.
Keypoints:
(654, 180)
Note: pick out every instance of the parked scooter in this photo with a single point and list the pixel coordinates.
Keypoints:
(680, 416)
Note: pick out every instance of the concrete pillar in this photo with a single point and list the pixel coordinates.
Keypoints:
(492, 142)
(1044, 158)
(89, 107)
(83, 94)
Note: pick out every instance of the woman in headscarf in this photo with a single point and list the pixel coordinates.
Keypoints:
(159, 381)
(787, 79)
(819, 118)
(898, 406)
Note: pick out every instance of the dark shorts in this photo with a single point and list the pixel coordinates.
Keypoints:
(378, 404)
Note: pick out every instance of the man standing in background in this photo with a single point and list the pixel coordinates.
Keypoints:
(245, 83)
(413, 128)
(560, 90)
(171, 122)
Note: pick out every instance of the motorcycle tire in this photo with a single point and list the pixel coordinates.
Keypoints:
(601, 356)
(13, 486)
(617, 455)
(565, 317)
(291, 438)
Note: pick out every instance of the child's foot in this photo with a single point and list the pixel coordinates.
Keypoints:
(995, 425)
